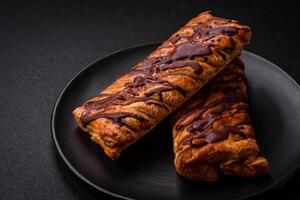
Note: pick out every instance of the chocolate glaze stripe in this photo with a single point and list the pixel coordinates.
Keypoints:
(159, 91)
(179, 64)
(115, 117)
(94, 105)
(189, 50)
(224, 30)
(212, 136)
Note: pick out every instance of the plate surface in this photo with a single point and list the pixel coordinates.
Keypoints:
(145, 170)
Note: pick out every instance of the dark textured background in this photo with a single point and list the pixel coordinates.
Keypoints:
(44, 44)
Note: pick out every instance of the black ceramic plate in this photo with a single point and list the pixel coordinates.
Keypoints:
(145, 170)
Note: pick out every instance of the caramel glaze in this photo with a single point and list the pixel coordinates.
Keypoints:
(182, 56)
(233, 101)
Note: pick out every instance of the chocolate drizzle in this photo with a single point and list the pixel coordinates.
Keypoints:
(189, 50)
(159, 91)
(96, 105)
(115, 117)
(223, 30)
(178, 64)
(148, 74)
(219, 134)
(203, 127)
(232, 104)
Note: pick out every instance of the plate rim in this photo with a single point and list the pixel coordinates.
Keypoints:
(277, 183)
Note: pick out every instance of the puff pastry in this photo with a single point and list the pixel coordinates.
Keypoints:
(159, 84)
(213, 131)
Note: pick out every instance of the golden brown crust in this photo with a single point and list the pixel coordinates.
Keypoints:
(156, 86)
(213, 132)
